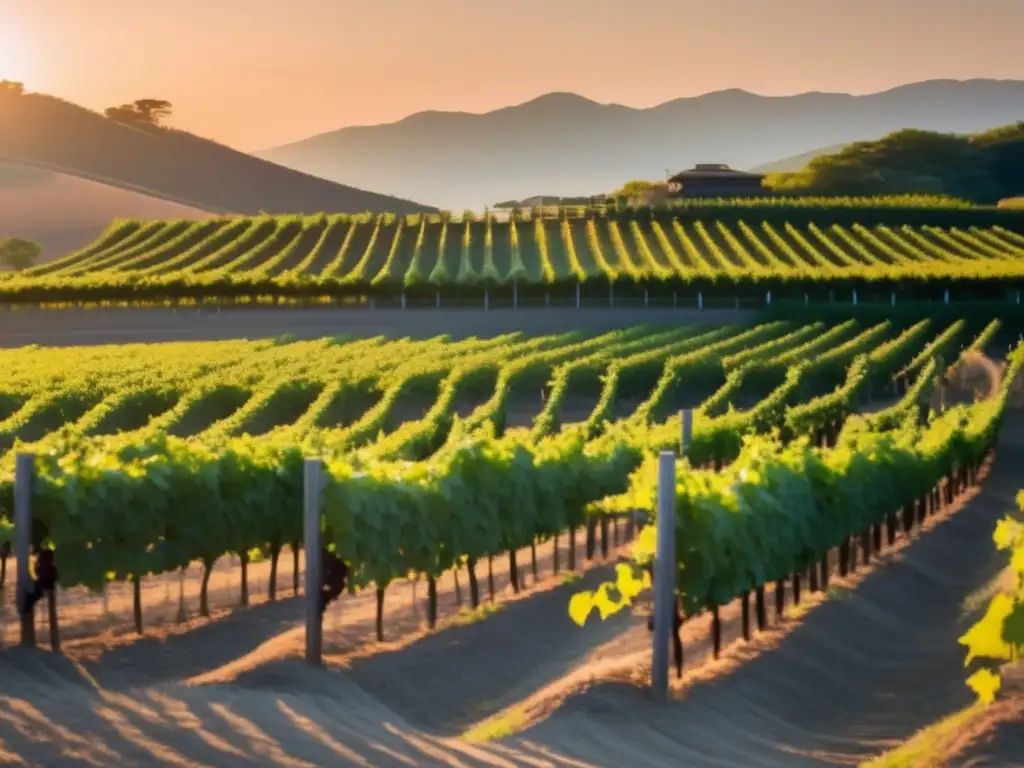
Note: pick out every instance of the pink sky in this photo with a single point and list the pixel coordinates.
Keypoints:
(257, 73)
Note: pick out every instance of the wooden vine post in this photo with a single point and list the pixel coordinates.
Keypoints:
(24, 476)
(664, 578)
(665, 560)
(312, 469)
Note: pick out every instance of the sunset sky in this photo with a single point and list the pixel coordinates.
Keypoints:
(257, 73)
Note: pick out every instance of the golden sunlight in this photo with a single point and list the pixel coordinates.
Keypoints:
(12, 66)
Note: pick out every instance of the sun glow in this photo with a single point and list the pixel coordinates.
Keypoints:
(12, 64)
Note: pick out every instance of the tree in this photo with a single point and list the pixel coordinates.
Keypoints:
(141, 112)
(982, 168)
(11, 88)
(641, 192)
(18, 254)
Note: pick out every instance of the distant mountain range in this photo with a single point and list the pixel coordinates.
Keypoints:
(70, 171)
(568, 145)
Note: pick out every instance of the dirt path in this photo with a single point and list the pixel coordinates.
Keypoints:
(78, 327)
(91, 626)
(852, 678)
(857, 676)
(997, 739)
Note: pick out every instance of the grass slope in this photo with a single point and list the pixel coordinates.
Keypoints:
(51, 134)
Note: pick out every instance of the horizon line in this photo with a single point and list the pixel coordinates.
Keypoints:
(706, 94)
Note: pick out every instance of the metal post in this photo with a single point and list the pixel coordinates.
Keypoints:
(664, 578)
(700, 300)
(403, 300)
(768, 298)
(314, 564)
(611, 294)
(515, 295)
(487, 299)
(24, 477)
(892, 298)
(577, 294)
(437, 298)
(945, 297)
(855, 297)
(646, 298)
(686, 433)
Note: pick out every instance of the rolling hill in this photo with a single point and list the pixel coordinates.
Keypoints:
(563, 143)
(64, 213)
(795, 163)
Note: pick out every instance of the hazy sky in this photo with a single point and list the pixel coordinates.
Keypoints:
(256, 73)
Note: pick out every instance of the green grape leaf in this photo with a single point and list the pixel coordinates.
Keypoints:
(985, 638)
(985, 684)
(580, 606)
(628, 584)
(1006, 533)
(608, 604)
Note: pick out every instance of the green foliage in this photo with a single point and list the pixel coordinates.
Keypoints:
(18, 254)
(791, 251)
(779, 508)
(983, 168)
(141, 112)
(118, 495)
(999, 635)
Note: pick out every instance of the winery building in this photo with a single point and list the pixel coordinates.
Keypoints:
(716, 180)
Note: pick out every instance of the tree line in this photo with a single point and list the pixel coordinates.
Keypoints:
(17, 253)
(983, 167)
(141, 112)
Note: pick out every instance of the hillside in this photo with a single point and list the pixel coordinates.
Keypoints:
(564, 144)
(50, 134)
(795, 163)
(984, 167)
(64, 213)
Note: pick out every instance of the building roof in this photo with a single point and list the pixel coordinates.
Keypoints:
(714, 171)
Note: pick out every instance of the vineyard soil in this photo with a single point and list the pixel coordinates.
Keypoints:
(124, 326)
(88, 630)
(851, 678)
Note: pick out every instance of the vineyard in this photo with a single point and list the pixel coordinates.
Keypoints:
(567, 257)
(444, 454)
(487, 458)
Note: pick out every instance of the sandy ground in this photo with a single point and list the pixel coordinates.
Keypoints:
(91, 625)
(845, 681)
(999, 734)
